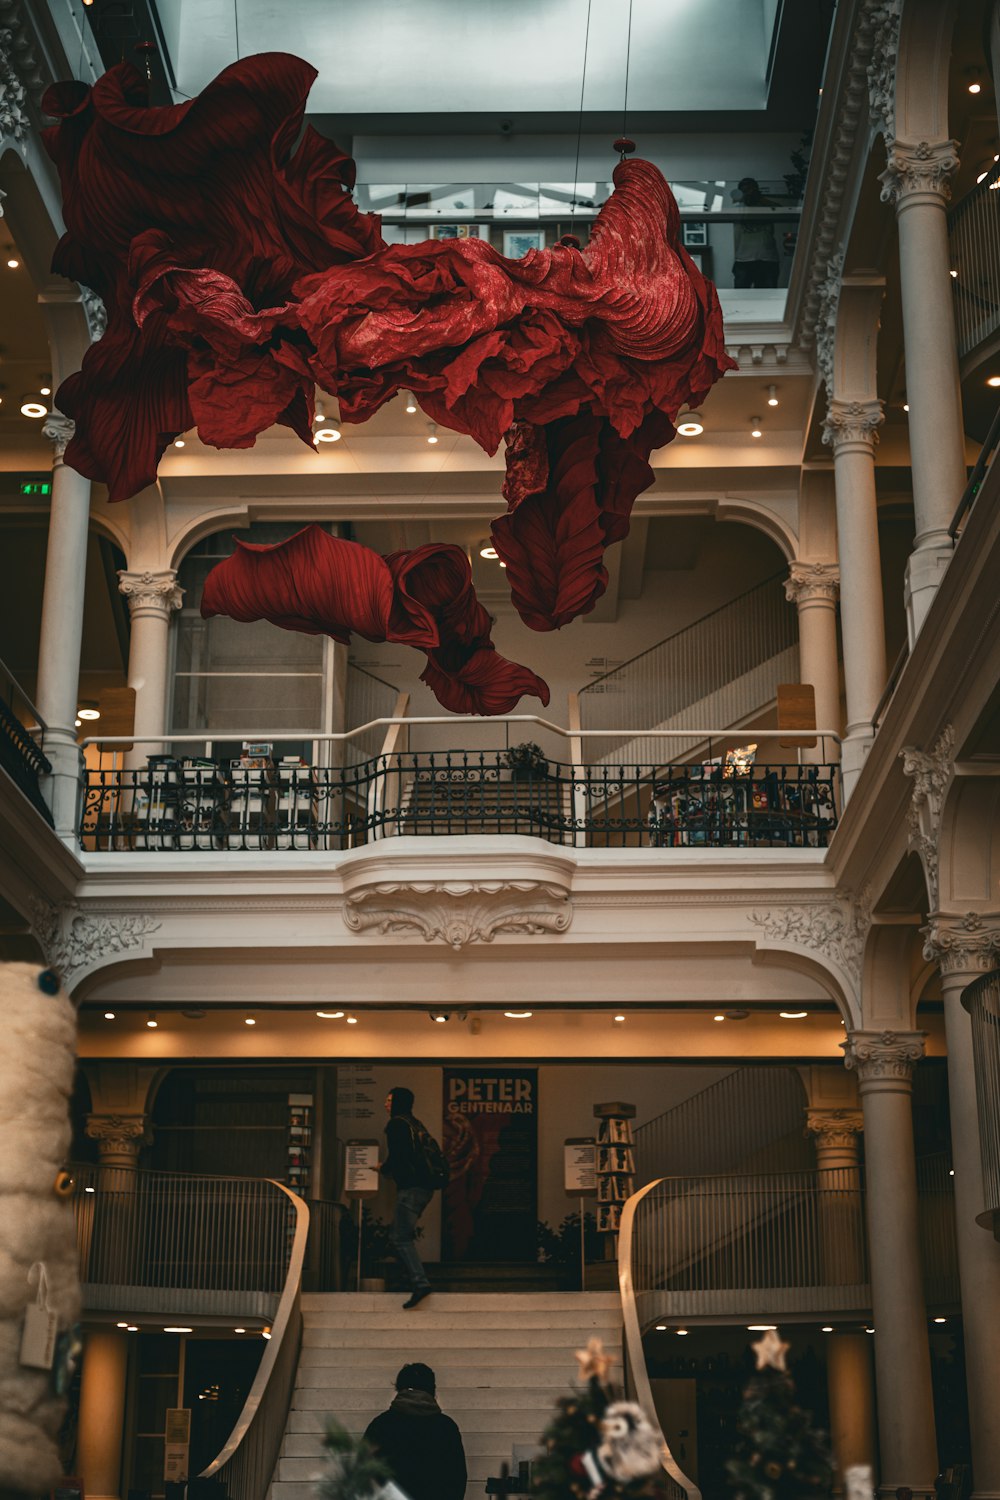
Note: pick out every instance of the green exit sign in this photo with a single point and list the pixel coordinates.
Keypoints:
(36, 487)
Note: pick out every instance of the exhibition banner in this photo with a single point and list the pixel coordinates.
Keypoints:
(490, 1209)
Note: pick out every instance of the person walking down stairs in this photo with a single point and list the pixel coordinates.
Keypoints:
(422, 1446)
(415, 1163)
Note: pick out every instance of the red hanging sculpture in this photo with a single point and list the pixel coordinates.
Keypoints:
(239, 274)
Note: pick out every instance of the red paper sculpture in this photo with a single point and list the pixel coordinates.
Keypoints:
(238, 276)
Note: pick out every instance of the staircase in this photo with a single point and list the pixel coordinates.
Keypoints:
(479, 804)
(501, 1360)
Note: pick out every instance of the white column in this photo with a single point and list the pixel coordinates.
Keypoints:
(152, 598)
(884, 1063)
(916, 181)
(813, 588)
(102, 1412)
(851, 429)
(62, 627)
(966, 947)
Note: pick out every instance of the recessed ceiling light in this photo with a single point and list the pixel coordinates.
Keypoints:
(249, 1021)
(239, 1330)
(975, 88)
(77, 723)
(618, 1019)
(940, 1320)
(89, 711)
(132, 1327)
(793, 1015)
(178, 1330)
(682, 1333)
(951, 1171)
(178, 442)
(761, 1327)
(691, 424)
(13, 264)
(993, 381)
(265, 1333)
(518, 1015)
(121, 1325)
(32, 407)
(45, 390)
(439, 1015)
(90, 1190)
(330, 1015)
(869, 1330)
(661, 1327)
(906, 405)
(328, 434)
(109, 1015)
(827, 1328)
(351, 1021)
(488, 551)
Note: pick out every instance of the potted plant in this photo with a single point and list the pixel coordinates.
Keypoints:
(526, 762)
(376, 1252)
(561, 1247)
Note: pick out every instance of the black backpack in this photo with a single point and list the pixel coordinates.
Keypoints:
(432, 1164)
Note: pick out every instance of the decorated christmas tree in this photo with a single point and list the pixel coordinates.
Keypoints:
(598, 1447)
(353, 1470)
(780, 1455)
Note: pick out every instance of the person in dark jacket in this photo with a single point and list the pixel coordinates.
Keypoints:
(422, 1446)
(404, 1167)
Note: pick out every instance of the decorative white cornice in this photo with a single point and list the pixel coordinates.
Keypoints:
(921, 169)
(836, 930)
(15, 122)
(965, 946)
(459, 912)
(884, 20)
(58, 429)
(835, 1129)
(151, 593)
(95, 312)
(72, 941)
(826, 317)
(880, 1055)
(853, 424)
(808, 582)
(932, 772)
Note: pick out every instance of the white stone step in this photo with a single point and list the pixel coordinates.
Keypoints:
(334, 1367)
(462, 1301)
(469, 1336)
(342, 1399)
(576, 1321)
(446, 1357)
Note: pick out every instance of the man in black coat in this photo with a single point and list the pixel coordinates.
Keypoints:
(404, 1166)
(422, 1446)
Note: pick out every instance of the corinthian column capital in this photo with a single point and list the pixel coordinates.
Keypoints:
(881, 1056)
(918, 170)
(809, 583)
(58, 429)
(963, 947)
(853, 424)
(119, 1138)
(835, 1129)
(151, 593)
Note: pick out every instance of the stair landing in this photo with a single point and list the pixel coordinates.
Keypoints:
(501, 1359)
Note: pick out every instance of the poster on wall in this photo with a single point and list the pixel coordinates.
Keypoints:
(490, 1207)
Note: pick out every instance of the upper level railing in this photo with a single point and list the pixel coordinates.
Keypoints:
(974, 235)
(22, 736)
(171, 804)
(720, 669)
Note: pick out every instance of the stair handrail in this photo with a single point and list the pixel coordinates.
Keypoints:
(249, 1457)
(396, 739)
(644, 1132)
(684, 630)
(632, 1338)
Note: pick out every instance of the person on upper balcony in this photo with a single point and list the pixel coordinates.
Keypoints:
(756, 258)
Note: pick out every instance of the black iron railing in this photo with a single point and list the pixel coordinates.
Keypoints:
(174, 804)
(23, 759)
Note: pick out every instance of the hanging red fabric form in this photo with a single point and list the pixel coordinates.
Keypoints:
(238, 275)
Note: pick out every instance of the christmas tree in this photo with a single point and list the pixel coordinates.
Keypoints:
(354, 1471)
(780, 1456)
(597, 1447)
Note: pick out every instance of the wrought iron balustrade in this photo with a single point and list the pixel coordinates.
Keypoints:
(21, 737)
(171, 804)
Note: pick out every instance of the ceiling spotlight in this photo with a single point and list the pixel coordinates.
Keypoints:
(32, 407)
(518, 1015)
(45, 390)
(265, 1333)
(975, 88)
(411, 404)
(827, 1328)
(772, 395)
(109, 1015)
(793, 1015)
(319, 416)
(13, 264)
(330, 1015)
(178, 442)
(618, 1020)
(94, 1190)
(77, 723)
(690, 424)
(993, 381)
(249, 1021)
(121, 1325)
(488, 551)
(718, 1018)
(432, 436)
(328, 434)
(239, 1330)
(681, 1333)
(131, 1328)
(940, 1320)
(951, 1171)
(661, 1327)
(906, 404)
(440, 1016)
(178, 1330)
(761, 1327)
(88, 710)
(152, 1023)
(352, 1020)
(756, 430)
(869, 1330)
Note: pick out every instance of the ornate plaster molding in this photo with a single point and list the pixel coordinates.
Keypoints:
(155, 592)
(853, 423)
(968, 945)
(836, 930)
(826, 317)
(769, 356)
(459, 912)
(73, 941)
(922, 167)
(15, 122)
(884, 20)
(58, 429)
(810, 581)
(118, 1135)
(932, 773)
(875, 1055)
(835, 1129)
(95, 312)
